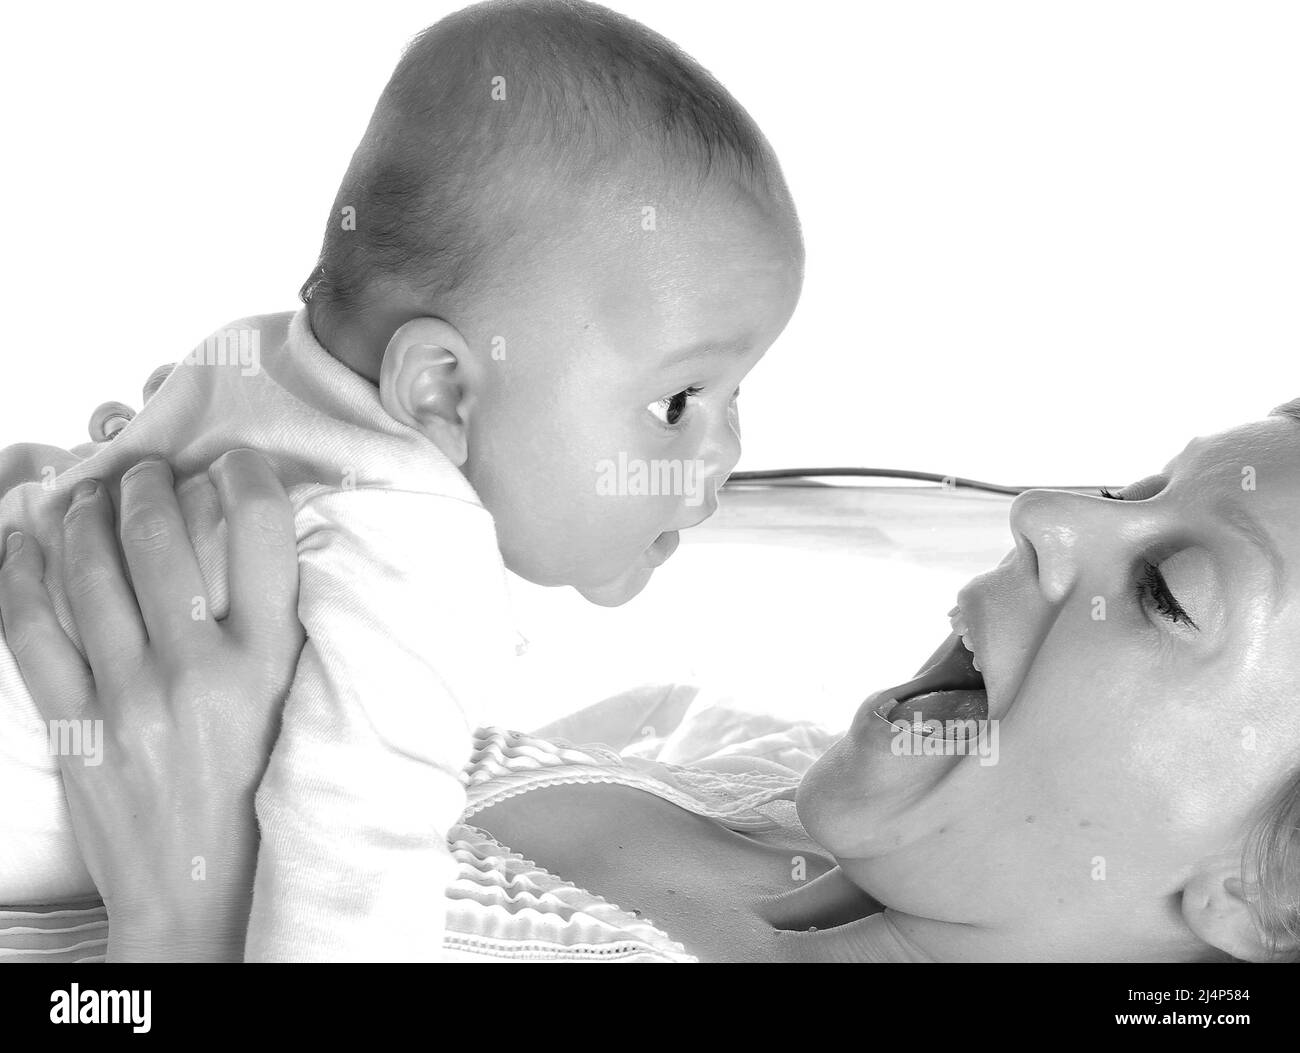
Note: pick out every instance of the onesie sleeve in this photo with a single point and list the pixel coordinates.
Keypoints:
(404, 603)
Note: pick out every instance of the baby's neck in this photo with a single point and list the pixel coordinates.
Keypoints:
(359, 345)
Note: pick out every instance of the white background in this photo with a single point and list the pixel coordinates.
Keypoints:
(1047, 242)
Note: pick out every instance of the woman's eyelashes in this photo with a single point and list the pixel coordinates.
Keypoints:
(1142, 490)
(1152, 589)
(671, 410)
(1154, 593)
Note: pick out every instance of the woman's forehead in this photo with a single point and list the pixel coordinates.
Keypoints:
(1251, 477)
(1243, 458)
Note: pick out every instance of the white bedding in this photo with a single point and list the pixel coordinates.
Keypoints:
(794, 604)
(685, 724)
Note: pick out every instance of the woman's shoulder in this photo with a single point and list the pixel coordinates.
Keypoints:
(504, 905)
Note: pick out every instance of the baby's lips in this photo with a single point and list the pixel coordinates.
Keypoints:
(664, 546)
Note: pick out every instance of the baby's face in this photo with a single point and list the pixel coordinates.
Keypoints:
(612, 350)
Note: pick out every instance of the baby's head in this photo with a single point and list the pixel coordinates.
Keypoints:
(559, 248)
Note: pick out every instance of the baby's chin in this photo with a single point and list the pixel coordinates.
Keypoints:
(617, 592)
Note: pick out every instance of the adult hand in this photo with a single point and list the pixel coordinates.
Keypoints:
(189, 706)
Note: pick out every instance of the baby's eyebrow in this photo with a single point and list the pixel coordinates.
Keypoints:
(702, 350)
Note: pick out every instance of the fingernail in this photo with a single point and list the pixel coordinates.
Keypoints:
(85, 488)
(14, 544)
(144, 462)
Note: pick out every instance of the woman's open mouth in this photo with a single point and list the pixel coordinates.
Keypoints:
(950, 690)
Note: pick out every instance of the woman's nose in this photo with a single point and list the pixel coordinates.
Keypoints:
(1054, 531)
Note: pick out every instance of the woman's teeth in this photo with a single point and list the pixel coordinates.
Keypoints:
(948, 688)
(958, 622)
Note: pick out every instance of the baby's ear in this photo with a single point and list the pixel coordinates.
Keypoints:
(1217, 910)
(423, 382)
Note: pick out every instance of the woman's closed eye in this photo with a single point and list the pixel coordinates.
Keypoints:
(672, 409)
(1154, 593)
(1142, 490)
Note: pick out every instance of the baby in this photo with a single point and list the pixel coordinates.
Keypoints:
(557, 251)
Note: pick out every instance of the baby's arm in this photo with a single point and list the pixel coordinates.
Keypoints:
(403, 599)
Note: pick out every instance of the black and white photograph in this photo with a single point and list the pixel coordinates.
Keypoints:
(385, 580)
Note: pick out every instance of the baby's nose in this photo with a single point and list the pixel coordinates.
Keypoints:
(721, 458)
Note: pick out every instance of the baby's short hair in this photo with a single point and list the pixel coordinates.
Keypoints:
(576, 87)
(1288, 409)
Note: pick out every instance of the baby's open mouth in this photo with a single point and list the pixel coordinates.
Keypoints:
(950, 689)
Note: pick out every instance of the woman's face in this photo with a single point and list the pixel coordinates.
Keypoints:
(1142, 662)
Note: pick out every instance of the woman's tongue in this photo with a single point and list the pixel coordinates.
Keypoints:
(961, 704)
(948, 688)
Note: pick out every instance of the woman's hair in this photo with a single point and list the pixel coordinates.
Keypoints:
(1273, 848)
(1273, 855)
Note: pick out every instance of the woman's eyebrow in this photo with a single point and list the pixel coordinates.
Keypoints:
(1253, 531)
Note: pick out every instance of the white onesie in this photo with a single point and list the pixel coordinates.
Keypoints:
(409, 637)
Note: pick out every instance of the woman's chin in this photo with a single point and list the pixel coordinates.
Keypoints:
(861, 797)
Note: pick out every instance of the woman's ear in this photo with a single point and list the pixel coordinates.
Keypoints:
(424, 382)
(1217, 910)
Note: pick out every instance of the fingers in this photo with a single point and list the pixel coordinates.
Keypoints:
(164, 570)
(103, 605)
(263, 568)
(56, 675)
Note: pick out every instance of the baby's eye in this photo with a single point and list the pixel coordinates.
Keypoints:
(670, 409)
